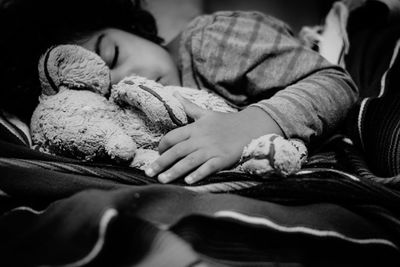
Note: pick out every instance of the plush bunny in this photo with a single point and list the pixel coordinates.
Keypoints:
(81, 115)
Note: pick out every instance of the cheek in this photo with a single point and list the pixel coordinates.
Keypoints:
(130, 68)
(115, 77)
(165, 62)
(127, 66)
(121, 71)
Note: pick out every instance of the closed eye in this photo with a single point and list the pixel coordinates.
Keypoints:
(111, 60)
(98, 43)
(115, 58)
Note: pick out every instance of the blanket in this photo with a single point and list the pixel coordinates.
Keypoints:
(62, 212)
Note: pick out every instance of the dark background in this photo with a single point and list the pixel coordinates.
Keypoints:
(172, 15)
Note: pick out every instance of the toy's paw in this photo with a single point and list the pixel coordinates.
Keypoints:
(273, 154)
(120, 147)
(73, 67)
(143, 158)
(162, 109)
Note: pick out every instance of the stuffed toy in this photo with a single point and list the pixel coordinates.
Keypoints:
(81, 115)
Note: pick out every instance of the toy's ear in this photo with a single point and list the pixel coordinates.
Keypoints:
(73, 67)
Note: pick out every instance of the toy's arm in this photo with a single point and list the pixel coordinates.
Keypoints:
(162, 109)
(273, 154)
(160, 103)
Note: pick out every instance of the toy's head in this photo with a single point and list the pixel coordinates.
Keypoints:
(72, 67)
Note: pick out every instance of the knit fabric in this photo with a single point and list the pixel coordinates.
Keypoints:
(251, 58)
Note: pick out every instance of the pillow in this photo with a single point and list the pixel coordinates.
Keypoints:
(13, 130)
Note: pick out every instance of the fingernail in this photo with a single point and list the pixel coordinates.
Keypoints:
(164, 178)
(149, 172)
(152, 170)
(189, 179)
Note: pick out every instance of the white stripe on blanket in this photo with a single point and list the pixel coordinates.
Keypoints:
(300, 229)
(28, 209)
(382, 91)
(104, 222)
(106, 218)
(315, 170)
(223, 186)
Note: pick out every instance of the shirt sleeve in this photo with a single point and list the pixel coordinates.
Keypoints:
(252, 59)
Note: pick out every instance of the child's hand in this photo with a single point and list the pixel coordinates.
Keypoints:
(215, 141)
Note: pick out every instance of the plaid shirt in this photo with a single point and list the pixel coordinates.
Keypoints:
(250, 58)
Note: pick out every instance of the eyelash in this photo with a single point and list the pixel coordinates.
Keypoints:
(115, 59)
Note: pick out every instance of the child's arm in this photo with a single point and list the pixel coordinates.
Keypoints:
(215, 141)
(250, 58)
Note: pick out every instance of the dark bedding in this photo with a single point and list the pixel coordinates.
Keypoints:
(61, 212)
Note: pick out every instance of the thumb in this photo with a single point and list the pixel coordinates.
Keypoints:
(191, 109)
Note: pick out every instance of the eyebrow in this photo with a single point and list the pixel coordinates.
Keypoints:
(98, 43)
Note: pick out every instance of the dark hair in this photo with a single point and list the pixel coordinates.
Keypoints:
(29, 27)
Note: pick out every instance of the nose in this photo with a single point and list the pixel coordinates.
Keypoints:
(118, 75)
(115, 77)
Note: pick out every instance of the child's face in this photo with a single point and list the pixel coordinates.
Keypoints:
(127, 54)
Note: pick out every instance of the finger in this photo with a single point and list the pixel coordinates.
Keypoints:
(173, 137)
(211, 166)
(184, 166)
(169, 157)
(191, 109)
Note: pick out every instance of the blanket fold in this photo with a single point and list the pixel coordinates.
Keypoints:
(178, 227)
(333, 212)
